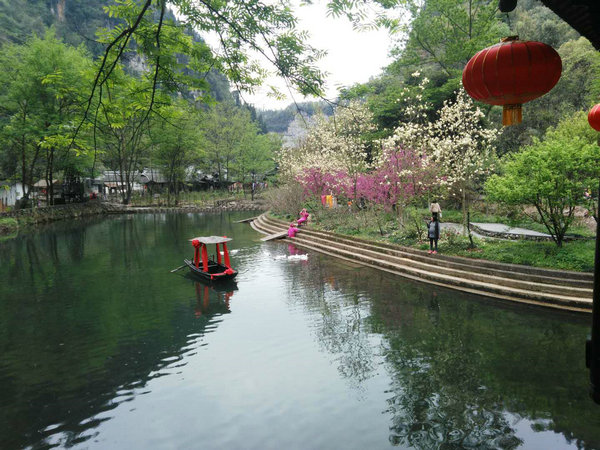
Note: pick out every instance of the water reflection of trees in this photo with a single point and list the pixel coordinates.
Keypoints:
(462, 368)
(82, 329)
(343, 326)
(438, 394)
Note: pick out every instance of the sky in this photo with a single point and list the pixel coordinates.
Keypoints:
(353, 56)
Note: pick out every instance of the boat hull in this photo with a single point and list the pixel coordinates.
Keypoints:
(216, 272)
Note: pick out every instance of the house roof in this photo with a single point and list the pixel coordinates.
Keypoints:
(43, 184)
(152, 175)
(112, 176)
(583, 15)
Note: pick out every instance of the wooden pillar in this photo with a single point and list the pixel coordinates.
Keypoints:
(204, 258)
(226, 254)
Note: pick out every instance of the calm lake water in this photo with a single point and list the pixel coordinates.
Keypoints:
(103, 348)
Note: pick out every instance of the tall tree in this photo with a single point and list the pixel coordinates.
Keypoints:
(458, 142)
(256, 157)
(332, 144)
(227, 129)
(120, 127)
(178, 144)
(41, 89)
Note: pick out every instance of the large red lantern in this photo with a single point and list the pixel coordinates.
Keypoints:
(594, 117)
(511, 73)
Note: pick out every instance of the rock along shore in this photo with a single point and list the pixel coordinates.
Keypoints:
(34, 216)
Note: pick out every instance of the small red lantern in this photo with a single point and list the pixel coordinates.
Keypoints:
(511, 73)
(594, 117)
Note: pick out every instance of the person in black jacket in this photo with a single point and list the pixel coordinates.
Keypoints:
(433, 233)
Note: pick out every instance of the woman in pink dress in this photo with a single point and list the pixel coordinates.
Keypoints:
(303, 217)
(292, 230)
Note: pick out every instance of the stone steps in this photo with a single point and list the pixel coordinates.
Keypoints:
(565, 290)
(513, 271)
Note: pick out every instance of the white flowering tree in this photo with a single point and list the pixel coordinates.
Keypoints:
(457, 142)
(333, 145)
(413, 133)
(463, 147)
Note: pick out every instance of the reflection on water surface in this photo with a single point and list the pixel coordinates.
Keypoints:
(103, 347)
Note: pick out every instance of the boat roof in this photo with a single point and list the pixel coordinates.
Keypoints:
(212, 239)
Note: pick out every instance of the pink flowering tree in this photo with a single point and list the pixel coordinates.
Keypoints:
(317, 182)
(400, 179)
(407, 175)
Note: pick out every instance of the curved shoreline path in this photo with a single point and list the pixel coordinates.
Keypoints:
(565, 290)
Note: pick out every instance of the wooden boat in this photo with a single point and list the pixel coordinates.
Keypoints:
(209, 269)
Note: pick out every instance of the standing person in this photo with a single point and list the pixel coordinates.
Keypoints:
(433, 233)
(435, 210)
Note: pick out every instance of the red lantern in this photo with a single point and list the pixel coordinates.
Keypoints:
(511, 73)
(594, 117)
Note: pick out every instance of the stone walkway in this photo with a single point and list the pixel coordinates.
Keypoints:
(501, 229)
(459, 228)
(496, 230)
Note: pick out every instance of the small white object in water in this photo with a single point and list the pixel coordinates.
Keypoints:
(292, 257)
(232, 252)
(298, 257)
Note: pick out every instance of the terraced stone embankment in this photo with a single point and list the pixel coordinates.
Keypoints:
(542, 287)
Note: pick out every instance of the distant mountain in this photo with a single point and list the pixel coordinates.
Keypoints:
(278, 121)
(76, 22)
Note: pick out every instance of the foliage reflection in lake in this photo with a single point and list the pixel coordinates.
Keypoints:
(103, 347)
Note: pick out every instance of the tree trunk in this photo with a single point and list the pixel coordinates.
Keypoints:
(24, 168)
(464, 210)
(471, 243)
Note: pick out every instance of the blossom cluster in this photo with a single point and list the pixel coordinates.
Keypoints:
(454, 152)
(457, 142)
(333, 144)
(401, 177)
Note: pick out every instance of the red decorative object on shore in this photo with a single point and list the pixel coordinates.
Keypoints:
(594, 117)
(511, 73)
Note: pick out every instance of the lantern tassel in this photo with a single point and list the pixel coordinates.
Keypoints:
(511, 115)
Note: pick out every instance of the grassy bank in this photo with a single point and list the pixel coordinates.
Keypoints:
(198, 198)
(8, 226)
(574, 255)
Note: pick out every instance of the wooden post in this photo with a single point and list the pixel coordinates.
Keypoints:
(226, 254)
(204, 258)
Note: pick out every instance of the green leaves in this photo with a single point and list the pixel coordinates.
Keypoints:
(552, 175)
(42, 89)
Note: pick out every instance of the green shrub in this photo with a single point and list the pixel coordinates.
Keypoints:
(8, 225)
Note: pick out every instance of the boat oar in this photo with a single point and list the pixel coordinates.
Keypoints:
(179, 268)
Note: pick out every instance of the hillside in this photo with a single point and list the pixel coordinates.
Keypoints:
(75, 22)
(278, 120)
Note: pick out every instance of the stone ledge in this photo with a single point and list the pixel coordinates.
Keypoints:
(54, 213)
(467, 279)
(517, 268)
